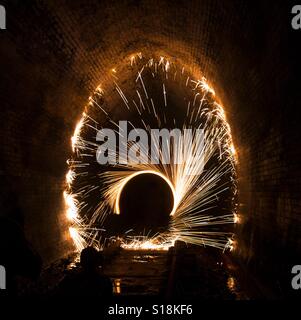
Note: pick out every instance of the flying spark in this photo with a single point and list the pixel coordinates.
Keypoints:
(195, 196)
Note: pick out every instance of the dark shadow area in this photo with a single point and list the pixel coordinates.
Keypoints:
(145, 206)
(17, 255)
(89, 280)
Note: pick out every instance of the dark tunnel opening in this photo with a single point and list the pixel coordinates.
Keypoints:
(146, 203)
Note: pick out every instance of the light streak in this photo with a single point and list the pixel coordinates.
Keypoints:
(194, 195)
(71, 204)
(70, 176)
(75, 140)
(79, 241)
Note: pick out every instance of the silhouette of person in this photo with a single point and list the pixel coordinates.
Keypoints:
(90, 280)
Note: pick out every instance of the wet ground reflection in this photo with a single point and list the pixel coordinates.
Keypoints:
(191, 273)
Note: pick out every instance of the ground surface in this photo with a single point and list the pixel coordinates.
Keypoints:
(185, 273)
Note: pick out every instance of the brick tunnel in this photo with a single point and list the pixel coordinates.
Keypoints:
(55, 53)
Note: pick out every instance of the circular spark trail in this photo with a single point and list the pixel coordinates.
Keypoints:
(150, 102)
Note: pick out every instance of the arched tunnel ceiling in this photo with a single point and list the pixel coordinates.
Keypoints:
(57, 52)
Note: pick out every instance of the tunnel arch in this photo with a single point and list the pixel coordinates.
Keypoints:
(153, 91)
(248, 58)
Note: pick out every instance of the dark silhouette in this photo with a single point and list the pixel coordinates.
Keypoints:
(16, 255)
(90, 280)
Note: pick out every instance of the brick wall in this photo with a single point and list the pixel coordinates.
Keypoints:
(57, 52)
